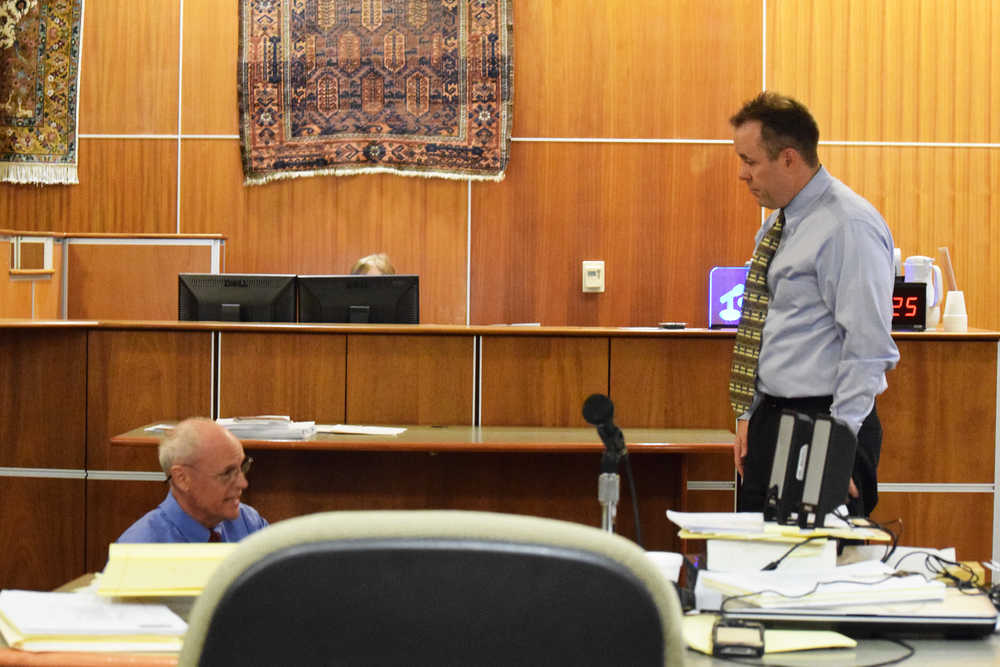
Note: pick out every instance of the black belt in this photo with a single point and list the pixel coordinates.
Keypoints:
(801, 403)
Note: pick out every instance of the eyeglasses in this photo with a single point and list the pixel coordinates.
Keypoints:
(228, 476)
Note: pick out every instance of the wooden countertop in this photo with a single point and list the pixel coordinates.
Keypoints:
(445, 329)
(481, 439)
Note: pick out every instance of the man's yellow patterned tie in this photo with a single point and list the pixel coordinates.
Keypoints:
(743, 374)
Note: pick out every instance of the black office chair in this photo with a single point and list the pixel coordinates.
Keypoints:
(405, 588)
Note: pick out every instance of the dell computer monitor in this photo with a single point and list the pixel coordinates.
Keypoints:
(391, 299)
(231, 297)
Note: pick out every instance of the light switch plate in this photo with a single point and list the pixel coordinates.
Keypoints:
(593, 275)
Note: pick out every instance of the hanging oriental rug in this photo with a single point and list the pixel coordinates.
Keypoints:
(412, 87)
(39, 80)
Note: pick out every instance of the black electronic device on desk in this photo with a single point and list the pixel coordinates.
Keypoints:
(811, 472)
(909, 306)
(784, 490)
(232, 297)
(828, 471)
(360, 299)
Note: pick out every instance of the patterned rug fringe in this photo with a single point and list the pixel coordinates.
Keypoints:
(38, 174)
(357, 171)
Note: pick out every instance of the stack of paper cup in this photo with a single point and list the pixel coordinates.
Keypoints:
(955, 317)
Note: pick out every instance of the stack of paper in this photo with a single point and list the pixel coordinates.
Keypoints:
(268, 427)
(751, 526)
(716, 523)
(353, 429)
(724, 555)
(160, 570)
(860, 583)
(35, 621)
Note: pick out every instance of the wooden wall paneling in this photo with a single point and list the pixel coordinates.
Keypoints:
(49, 290)
(710, 501)
(43, 395)
(140, 377)
(26, 297)
(129, 67)
(129, 281)
(126, 186)
(561, 486)
(900, 70)
(939, 520)
(644, 68)
(15, 293)
(299, 375)
(42, 532)
(672, 382)
(32, 256)
(209, 61)
(941, 399)
(285, 484)
(711, 467)
(541, 380)
(933, 197)
(113, 506)
(660, 216)
(399, 379)
(323, 225)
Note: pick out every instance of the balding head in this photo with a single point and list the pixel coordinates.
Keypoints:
(203, 462)
(182, 444)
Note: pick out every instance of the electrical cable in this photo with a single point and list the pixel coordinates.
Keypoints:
(635, 499)
(773, 565)
(725, 601)
(893, 536)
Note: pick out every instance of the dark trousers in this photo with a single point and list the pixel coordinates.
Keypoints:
(763, 433)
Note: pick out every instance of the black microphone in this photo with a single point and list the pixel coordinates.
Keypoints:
(600, 411)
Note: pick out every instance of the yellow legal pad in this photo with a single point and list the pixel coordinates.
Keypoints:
(161, 570)
(698, 635)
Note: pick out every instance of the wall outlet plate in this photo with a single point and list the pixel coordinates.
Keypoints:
(593, 275)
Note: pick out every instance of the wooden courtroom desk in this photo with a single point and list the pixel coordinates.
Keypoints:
(482, 439)
(13, 658)
(927, 652)
(67, 388)
(543, 471)
(934, 652)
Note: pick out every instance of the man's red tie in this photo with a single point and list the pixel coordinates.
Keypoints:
(214, 536)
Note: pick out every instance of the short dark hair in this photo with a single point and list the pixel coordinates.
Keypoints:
(784, 123)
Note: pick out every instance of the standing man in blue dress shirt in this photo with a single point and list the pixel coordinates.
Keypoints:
(826, 342)
(206, 470)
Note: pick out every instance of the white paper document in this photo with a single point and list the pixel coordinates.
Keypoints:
(84, 621)
(268, 427)
(861, 583)
(718, 522)
(350, 429)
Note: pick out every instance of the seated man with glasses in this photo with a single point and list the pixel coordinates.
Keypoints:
(206, 470)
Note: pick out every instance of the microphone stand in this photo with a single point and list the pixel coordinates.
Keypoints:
(608, 488)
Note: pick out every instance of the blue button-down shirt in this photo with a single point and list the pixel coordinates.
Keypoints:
(829, 321)
(169, 523)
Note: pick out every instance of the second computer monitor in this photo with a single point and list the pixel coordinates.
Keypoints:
(391, 299)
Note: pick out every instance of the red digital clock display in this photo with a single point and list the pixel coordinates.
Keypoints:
(905, 306)
(909, 306)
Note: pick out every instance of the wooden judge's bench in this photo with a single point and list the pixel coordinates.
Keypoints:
(67, 388)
